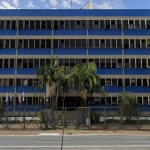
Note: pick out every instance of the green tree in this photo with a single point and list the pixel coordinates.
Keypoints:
(48, 77)
(129, 103)
(85, 78)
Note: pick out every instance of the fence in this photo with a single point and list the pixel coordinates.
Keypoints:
(95, 117)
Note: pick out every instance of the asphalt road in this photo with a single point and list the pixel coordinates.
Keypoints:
(112, 142)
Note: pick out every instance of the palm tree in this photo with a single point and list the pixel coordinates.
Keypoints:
(84, 78)
(48, 78)
(128, 102)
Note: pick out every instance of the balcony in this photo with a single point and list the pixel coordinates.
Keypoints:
(5, 32)
(137, 71)
(5, 89)
(28, 89)
(8, 51)
(7, 71)
(35, 32)
(137, 51)
(73, 51)
(136, 32)
(26, 71)
(114, 89)
(70, 32)
(137, 89)
(105, 32)
(109, 71)
(96, 51)
(38, 51)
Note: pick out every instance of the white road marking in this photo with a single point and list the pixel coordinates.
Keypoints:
(139, 141)
(116, 146)
(59, 138)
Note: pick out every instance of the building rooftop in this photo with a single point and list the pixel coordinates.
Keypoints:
(75, 12)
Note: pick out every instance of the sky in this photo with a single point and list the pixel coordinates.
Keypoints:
(76, 4)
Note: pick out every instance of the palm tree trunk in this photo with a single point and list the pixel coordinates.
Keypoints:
(47, 94)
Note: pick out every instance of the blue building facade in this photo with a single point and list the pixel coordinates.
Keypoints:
(114, 39)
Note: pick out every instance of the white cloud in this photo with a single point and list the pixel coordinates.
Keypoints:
(6, 5)
(109, 4)
(30, 5)
(66, 4)
(77, 1)
(15, 2)
(42, 0)
(53, 2)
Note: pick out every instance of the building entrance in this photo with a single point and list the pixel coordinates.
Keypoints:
(69, 102)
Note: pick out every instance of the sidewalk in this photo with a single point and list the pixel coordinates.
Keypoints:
(75, 132)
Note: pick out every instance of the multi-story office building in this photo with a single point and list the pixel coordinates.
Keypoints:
(114, 39)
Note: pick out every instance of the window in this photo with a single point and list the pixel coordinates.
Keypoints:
(61, 25)
(144, 63)
(30, 63)
(142, 24)
(113, 24)
(96, 24)
(55, 24)
(78, 43)
(1, 43)
(143, 44)
(127, 82)
(19, 62)
(113, 41)
(102, 82)
(43, 43)
(67, 24)
(97, 62)
(125, 24)
(20, 43)
(20, 24)
(26, 43)
(102, 43)
(137, 24)
(108, 44)
(61, 62)
(133, 82)
(11, 82)
(37, 43)
(127, 65)
(132, 63)
(72, 24)
(26, 24)
(2, 24)
(119, 43)
(11, 63)
(139, 82)
(37, 24)
(83, 24)
(25, 63)
(5, 82)
(145, 100)
(7, 24)
(32, 24)
(126, 43)
(30, 82)
(66, 62)
(132, 43)
(36, 63)
(47, 61)
(90, 24)
(6, 63)
(13, 25)
(29, 101)
(6, 43)
(107, 24)
(108, 82)
(138, 63)
(55, 43)
(114, 82)
(119, 63)
(114, 65)
(48, 43)
(48, 24)
(78, 61)
(67, 44)
(148, 24)
(43, 26)
(102, 63)
(102, 24)
(131, 24)
(1, 82)
(83, 43)
(114, 100)
(78, 24)
(31, 43)
(118, 24)
(1, 63)
(140, 100)
(18, 82)
(42, 62)
(120, 83)
(137, 43)
(72, 43)
(13, 44)
(108, 63)
(145, 82)
(61, 43)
